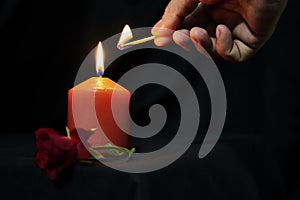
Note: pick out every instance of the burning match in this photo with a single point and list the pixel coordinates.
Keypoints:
(126, 36)
(140, 41)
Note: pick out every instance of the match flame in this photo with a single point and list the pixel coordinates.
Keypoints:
(100, 59)
(126, 36)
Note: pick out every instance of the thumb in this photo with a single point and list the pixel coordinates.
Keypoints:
(176, 12)
(210, 2)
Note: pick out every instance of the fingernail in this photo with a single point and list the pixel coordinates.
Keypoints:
(161, 32)
(180, 36)
(218, 33)
(156, 28)
(182, 39)
(158, 24)
(161, 41)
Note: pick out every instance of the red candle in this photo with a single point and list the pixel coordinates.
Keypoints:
(90, 107)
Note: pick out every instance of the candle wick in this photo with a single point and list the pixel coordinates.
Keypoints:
(100, 73)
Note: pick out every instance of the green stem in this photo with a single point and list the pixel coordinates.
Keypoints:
(110, 147)
(68, 132)
(130, 152)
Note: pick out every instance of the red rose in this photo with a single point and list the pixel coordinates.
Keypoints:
(55, 152)
(81, 141)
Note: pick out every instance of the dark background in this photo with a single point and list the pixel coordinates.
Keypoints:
(43, 44)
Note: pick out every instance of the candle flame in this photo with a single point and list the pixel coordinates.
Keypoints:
(126, 36)
(100, 59)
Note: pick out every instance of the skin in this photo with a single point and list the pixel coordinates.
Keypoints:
(233, 30)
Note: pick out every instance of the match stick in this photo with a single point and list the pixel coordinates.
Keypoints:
(140, 41)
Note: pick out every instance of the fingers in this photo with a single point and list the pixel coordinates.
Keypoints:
(182, 38)
(172, 19)
(243, 32)
(202, 41)
(196, 39)
(178, 13)
(224, 46)
(162, 41)
(163, 36)
(229, 49)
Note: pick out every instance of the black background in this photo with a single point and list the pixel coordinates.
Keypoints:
(43, 43)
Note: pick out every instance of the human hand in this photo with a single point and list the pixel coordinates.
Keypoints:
(233, 30)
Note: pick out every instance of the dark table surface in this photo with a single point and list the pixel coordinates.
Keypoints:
(240, 166)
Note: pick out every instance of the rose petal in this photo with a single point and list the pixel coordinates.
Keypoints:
(43, 135)
(82, 153)
(55, 152)
(52, 173)
(42, 159)
(63, 142)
